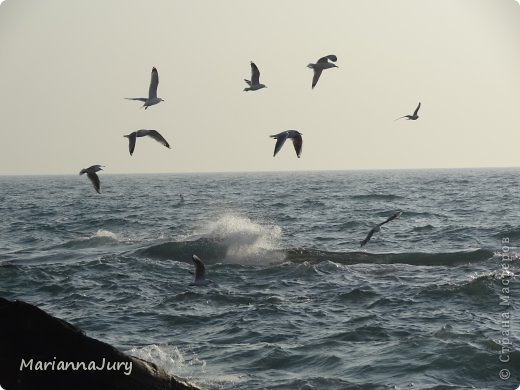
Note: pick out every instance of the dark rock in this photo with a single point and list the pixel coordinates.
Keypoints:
(31, 338)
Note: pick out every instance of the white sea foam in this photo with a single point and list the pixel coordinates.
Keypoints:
(247, 242)
(174, 362)
(170, 359)
(102, 233)
(100, 238)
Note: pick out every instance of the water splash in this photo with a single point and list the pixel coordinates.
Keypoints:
(247, 242)
(175, 363)
(102, 233)
(170, 359)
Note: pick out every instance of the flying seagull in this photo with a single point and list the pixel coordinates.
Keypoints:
(377, 228)
(323, 63)
(91, 174)
(414, 116)
(200, 270)
(152, 92)
(296, 137)
(143, 133)
(254, 84)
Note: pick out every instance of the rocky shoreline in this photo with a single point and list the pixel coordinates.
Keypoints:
(39, 351)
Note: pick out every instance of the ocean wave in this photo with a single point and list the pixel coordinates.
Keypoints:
(208, 250)
(229, 239)
(512, 233)
(479, 287)
(376, 197)
(298, 255)
(213, 250)
(100, 238)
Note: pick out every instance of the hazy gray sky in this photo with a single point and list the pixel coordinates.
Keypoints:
(66, 67)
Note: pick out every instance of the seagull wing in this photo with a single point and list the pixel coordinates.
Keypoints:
(131, 142)
(247, 82)
(331, 57)
(200, 270)
(298, 142)
(255, 74)
(317, 74)
(154, 83)
(391, 218)
(280, 140)
(368, 237)
(158, 137)
(417, 109)
(94, 178)
(140, 99)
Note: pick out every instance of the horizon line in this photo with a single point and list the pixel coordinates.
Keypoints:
(278, 171)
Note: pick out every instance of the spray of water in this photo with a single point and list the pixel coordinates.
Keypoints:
(247, 242)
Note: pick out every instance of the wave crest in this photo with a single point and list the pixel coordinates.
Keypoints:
(229, 239)
(245, 241)
(299, 255)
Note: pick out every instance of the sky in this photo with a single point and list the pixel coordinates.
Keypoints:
(66, 67)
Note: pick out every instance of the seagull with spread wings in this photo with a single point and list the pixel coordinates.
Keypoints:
(94, 178)
(132, 137)
(254, 84)
(294, 135)
(152, 92)
(318, 67)
(377, 228)
(414, 116)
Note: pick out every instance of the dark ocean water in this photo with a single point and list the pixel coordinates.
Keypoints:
(293, 301)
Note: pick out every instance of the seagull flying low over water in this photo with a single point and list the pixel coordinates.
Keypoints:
(143, 133)
(296, 137)
(323, 63)
(377, 228)
(200, 270)
(91, 174)
(152, 92)
(414, 116)
(254, 84)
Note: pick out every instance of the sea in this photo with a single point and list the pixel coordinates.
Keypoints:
(291, 299)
